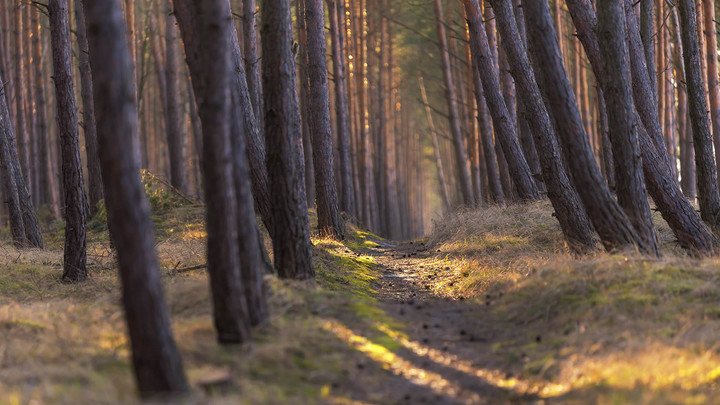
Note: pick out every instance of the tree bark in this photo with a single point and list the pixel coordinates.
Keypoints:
(291, 244)
(712, 75)
(7, 171)
(621, 121)
(337, 15)
(75, 254)
(95, 194)
(206, 31)
(174, 128)
(252, 60)
(156, 361)
(606, 215)
(502, 123)
(569, 210)
(705, 166)
(647, 33)
(329, 220)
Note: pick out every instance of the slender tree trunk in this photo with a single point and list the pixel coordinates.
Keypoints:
(19, 87)
(455, 128)
(206, 31)
(647, 33)
(705, 167)
(95, 193)
(252, 60)
(337, 14)
(569, 210)
(621, 119)
(173, 122)
(291, 244)
(156, 361)
(7, 172)
(302, 61)
(503, 124)
(712, 74)
(329, 220)
(75, 255)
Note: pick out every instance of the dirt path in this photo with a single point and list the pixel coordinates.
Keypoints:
(443, 355)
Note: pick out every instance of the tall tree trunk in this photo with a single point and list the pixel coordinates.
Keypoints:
(337, 15)
(329, 220)
(7, 173)
(565, 200)
(291, 243)
(621, 119)
(302, 61)
(705, 166)
(19, 87)
(155, 358)
(206, 31)
(455, 128)
(712, 74)
(606, 215)
(503, 125)
(174, 127)
(252, 60)
(647, 33)
(95, 193)
(75, 254)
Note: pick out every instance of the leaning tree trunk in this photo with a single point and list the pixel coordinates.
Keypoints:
(291, 243)
(155, 358)
(705, 166)
(503, 125)
(88, 114)
(75, 252)
(686, 224)
(606, 215)
(569, 210)
(630, 185)
(205, 29)
(329, 220)
(455, 128)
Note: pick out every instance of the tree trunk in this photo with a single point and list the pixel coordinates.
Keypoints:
(329, 220)
(455, 128)
(337, 15)
(712, 74)
(75, 254)
(88, 113)
(680, 215)
(705, 166)
(173, 122)
(156, 361)
(252, 60)
(565, 200)
(436, 150)
(621, 121)
(606, 215)
(502, 123)
(7, 172)
(291, 244)
(206, 31)
(647, 33)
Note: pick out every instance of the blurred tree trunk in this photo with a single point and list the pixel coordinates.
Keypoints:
(712, 74)
(436, 149)
(7, 172)
(95, 193)
(155, 358)
(252, 60)
(174, 128)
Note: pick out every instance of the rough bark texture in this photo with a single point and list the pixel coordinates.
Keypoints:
(502, 123)
(95, 193)
(647, 33)
(206, 31)
(569, 210)
(291, 243)
(621, 121)
(705, 166)
(329, 220)
(75, 255)
(9, 180)
(455, 128)
(337, 15)
(174, 121)
(607, 217)
(712, 75)
(156, 361)
(684, 221)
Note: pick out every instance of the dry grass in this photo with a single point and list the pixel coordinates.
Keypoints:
(618, 328)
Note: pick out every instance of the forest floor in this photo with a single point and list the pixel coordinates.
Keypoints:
(490, 308)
